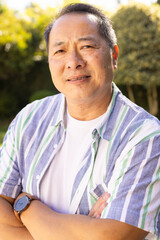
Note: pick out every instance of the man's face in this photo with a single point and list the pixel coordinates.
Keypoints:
(80, 60)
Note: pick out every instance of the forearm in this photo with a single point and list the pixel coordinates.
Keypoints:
(43, 223)
(10, 227)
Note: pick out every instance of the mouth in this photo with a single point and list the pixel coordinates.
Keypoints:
(78, 78)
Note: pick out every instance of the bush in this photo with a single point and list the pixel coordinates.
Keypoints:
(138, 33)
(41, 94)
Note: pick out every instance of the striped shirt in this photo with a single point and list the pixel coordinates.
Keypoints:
(123, 159)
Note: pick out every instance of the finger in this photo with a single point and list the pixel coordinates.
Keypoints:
(100, 210)
(103, 198)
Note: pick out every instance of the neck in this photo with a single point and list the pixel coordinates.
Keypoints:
(86, 111)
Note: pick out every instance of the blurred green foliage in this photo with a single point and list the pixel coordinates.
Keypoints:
(138, 32)
(23, 59)
(41, 94)
(3, 129)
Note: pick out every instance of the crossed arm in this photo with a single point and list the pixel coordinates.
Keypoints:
(40, 222)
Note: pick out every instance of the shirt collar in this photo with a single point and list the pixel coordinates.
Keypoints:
(60, 109)
(103, 129)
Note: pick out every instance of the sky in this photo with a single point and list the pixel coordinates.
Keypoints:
(105, 4)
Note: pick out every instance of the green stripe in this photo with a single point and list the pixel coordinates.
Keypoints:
(8, 168)
(155, 222)
(111, 141)
(30, 115)
(149, 198)
(121, 119)
(20, 128)
(3, 146)
(92, 198)
(10, 162)
(4, 143)
(150, 136)
(112, 105)
(90, 185)
(13, 152)
(121, 172)
(125, 162)
(18, 132)
(137, 130)
(34, 165)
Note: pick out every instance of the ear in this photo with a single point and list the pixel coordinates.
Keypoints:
(115, 56)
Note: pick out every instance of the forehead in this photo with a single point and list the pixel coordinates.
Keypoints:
(75, 24)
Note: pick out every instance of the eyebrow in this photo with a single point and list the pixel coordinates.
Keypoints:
(59, 43)
(86, 39)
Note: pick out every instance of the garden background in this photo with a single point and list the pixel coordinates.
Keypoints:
(24, 72)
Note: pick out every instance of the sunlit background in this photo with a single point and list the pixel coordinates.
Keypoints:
(24, 73)
(106, 4)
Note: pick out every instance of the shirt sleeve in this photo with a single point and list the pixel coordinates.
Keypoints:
(10, 181)
(135, 187)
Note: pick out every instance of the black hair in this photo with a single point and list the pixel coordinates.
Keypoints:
(103, 22)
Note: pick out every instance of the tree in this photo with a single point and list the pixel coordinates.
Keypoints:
(39, 75)
(66, 2)
(138, 33)
(23, 61)
(14, 61)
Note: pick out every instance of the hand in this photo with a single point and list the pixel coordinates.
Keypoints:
(99, 206)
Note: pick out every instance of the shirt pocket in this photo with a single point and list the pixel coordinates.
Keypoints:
(98, 190)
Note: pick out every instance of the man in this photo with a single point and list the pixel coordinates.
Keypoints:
(63, 152)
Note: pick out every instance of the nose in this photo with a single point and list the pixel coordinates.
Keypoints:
(75, 61)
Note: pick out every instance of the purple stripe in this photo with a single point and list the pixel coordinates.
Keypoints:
(49, 153)
(126, 185)
(120, 143)
(82, 171)
(158, 225)
(145, 179)
(32, 128)
(84, 205)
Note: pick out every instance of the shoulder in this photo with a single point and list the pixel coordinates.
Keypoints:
(129, 124)
(133, 117)
(39, 112)
(42, 104)
(39, 108)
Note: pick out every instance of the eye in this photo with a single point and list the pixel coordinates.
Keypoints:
(59, 51)
(87, 46)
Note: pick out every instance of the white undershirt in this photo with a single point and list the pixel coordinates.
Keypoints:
(56, 185)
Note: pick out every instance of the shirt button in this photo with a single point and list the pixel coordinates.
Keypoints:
(55, 146)
(38, 177)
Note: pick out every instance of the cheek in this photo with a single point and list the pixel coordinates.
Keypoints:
(107, 63)
(55, 69)
(56, 72)
(101, 59)
(105, 68)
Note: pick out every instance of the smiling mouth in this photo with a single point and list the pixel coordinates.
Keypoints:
(78, 78)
